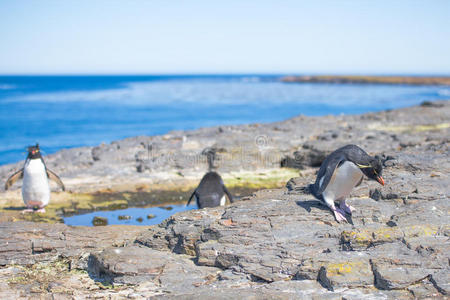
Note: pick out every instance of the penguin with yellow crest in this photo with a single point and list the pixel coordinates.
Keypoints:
(340, 172)
(35, 186)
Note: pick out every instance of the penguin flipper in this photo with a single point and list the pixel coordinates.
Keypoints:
(54, 177)
(360, 181)
(13, 178)
(230, 197)
(190, 198)
(332, 165)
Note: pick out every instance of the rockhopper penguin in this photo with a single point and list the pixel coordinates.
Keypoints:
(35, 186)
(211, 190)
(340, 172)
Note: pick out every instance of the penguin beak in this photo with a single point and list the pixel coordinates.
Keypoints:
(380, 180)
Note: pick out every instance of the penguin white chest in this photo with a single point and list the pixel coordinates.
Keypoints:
(344, 179)
(35, 187)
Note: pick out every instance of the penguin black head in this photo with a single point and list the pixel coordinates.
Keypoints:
(374, 169)
(34, 152)
(210, 154)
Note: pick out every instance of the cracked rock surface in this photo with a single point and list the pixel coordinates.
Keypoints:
(276, 244)
(396, 247)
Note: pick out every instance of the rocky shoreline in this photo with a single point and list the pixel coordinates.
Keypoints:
(358, 79)
(279, 243)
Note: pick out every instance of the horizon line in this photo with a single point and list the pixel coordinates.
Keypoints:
(427, 74)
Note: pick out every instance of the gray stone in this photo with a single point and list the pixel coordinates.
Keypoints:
(278, 243)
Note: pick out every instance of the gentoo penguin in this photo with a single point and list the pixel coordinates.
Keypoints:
(340, 172)
(211, 190)
(35, 186)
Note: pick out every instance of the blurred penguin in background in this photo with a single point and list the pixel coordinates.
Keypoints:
(211, 190)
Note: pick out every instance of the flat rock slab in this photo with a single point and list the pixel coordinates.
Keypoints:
(26, 243)
(135, 265)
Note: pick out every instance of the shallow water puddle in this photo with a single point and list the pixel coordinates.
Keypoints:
(129, 216)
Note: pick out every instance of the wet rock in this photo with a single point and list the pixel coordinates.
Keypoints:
(430, 104)
(124, 217)
(166, 207)
(99, 221)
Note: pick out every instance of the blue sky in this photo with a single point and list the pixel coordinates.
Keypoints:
(147, 37)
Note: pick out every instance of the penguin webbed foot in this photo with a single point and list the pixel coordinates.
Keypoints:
(339, 214)
(33, 210)
(346, 208)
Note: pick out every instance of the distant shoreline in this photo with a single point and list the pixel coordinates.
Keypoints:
(361, 79)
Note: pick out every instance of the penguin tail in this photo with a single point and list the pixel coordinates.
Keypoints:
(310, 189)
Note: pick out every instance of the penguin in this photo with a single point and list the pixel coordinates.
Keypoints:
(340, 172)
(211, 190)
(35, 187)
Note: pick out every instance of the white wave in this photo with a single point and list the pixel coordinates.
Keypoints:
(138, 93)
(226, 92)
(444, 92)
(5, 86)
(98, 95)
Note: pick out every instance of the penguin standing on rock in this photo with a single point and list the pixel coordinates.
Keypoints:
(35, 187)
(340, 172)
(211, 190)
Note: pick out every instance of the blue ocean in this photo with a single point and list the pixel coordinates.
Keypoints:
(72, 111)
